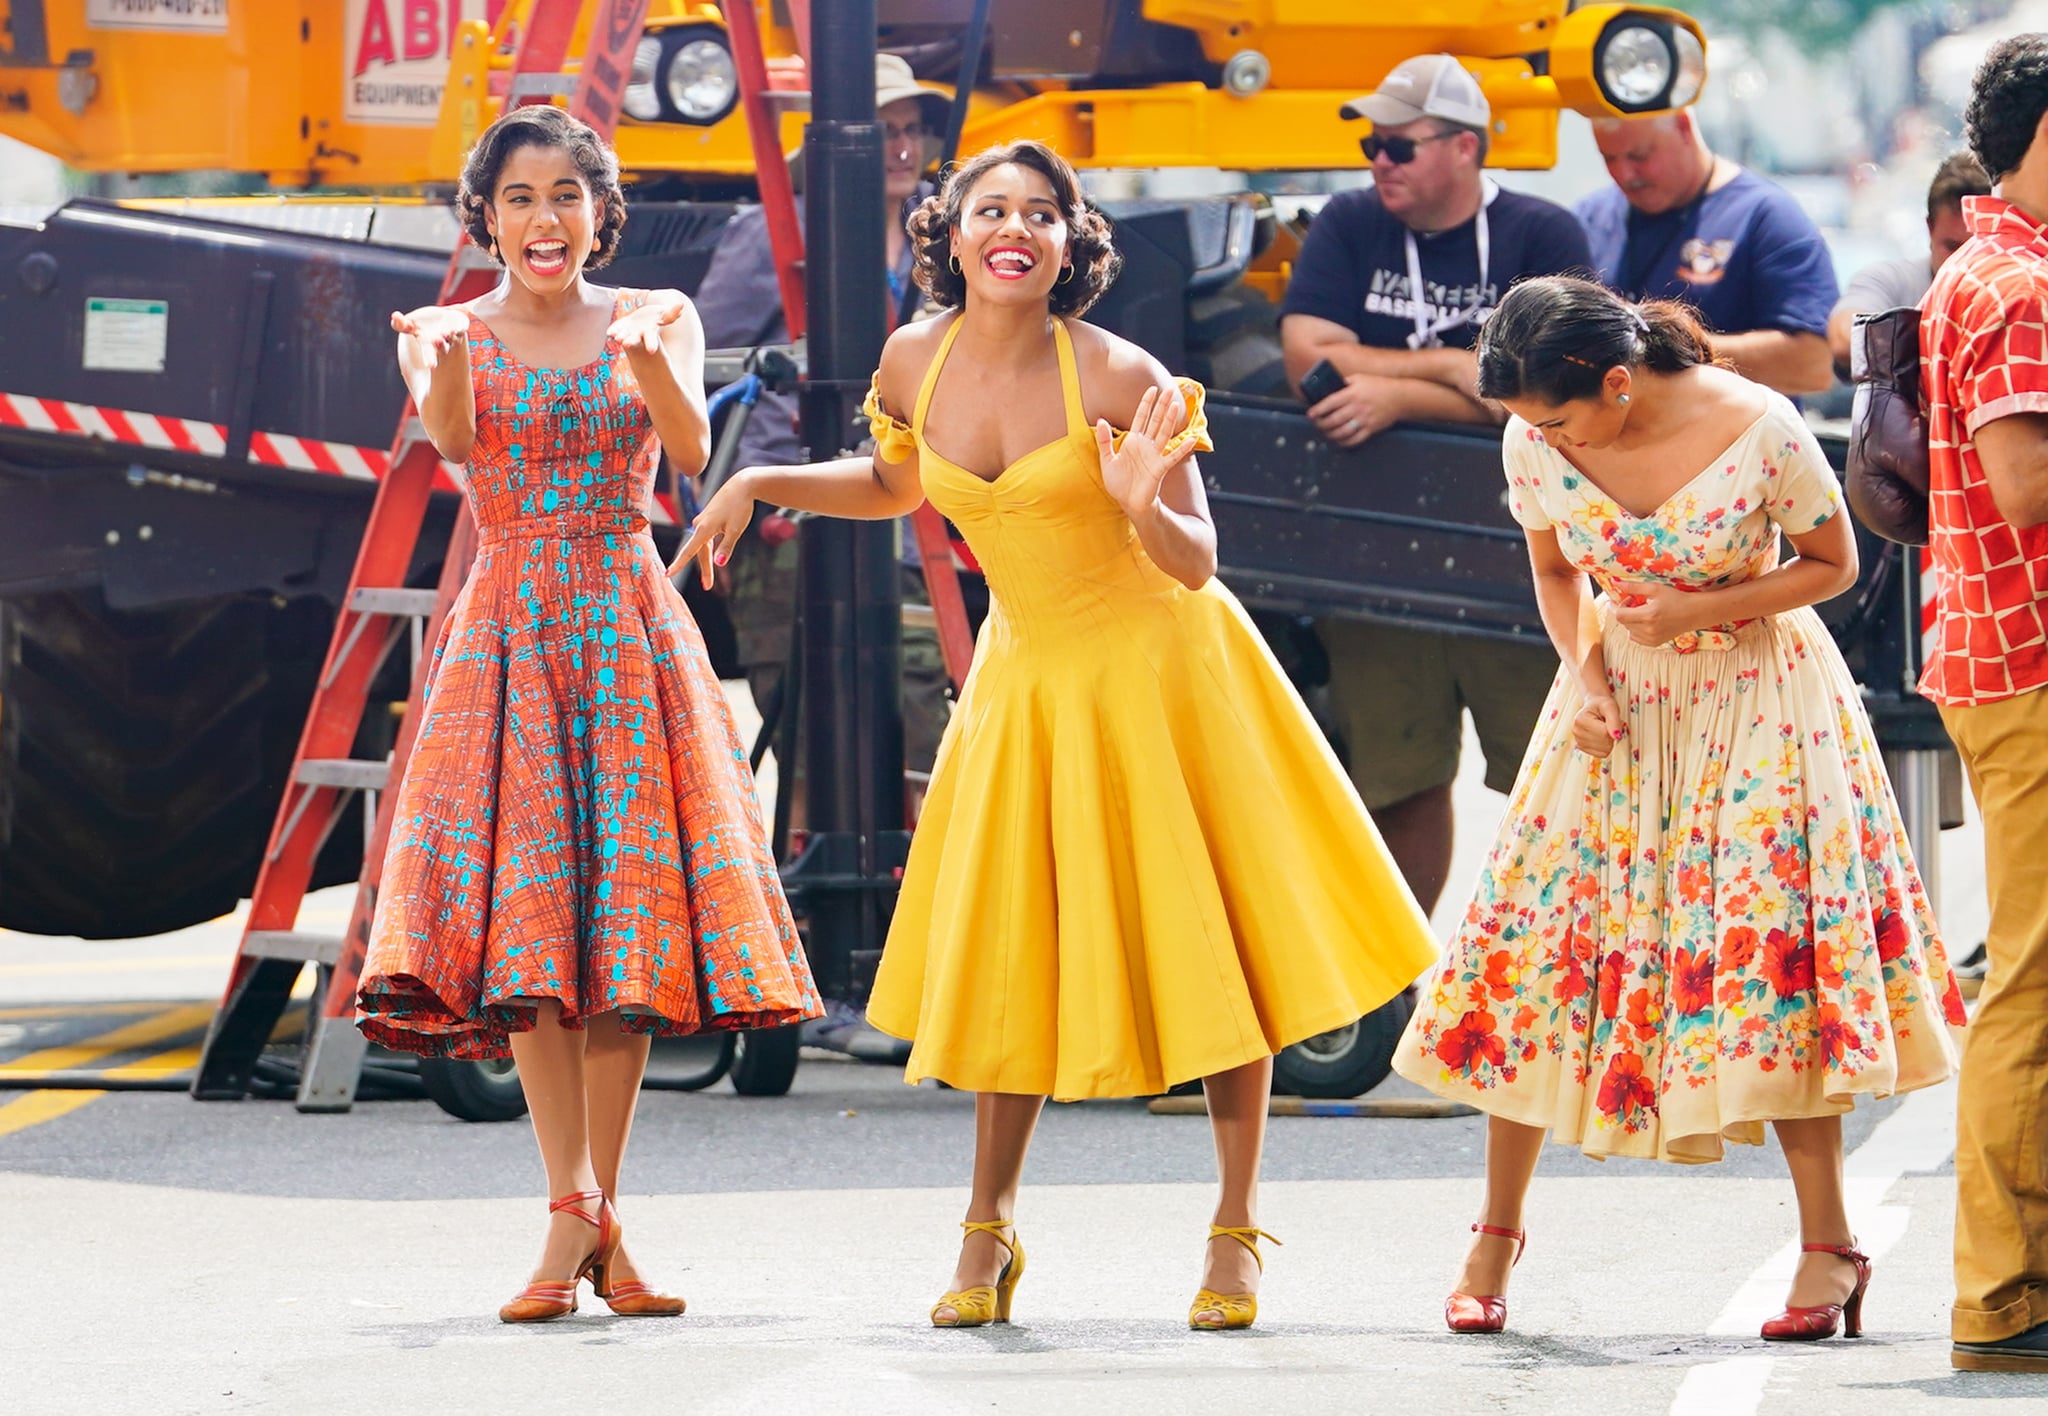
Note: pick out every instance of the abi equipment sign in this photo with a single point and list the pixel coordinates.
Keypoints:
(397, 54)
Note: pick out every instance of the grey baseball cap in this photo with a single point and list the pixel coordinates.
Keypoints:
(1427, 86)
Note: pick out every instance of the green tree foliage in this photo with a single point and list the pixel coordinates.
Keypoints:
(1814, 25)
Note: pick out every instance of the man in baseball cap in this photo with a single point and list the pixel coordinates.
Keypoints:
(1391, 287)
(1427, 86)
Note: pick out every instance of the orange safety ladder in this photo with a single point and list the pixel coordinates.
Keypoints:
(377, 614)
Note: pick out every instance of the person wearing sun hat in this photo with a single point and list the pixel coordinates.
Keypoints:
(1391, 287)
(740, 303)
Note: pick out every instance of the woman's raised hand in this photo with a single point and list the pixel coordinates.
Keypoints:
(640, 328)
(717, 528)
(437, 328)
(1133, 473)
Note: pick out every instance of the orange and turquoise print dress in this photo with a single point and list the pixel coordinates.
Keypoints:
(578, 820)
(1139, 862)
(1719, 924)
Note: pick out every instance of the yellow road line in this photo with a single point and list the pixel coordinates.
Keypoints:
(163, 1064)
(78, 1010)
(40, 1106)
(185, 1018)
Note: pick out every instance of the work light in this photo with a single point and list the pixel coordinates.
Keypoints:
(682, 75)
(1627, 59)
(701, 81)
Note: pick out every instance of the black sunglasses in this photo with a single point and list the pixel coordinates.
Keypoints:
(1399, 150)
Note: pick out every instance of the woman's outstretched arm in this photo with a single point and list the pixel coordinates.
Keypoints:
(664, 343)
(866, 488)
(433, 358)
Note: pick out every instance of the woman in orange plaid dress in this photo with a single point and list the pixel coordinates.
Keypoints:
(577, 858)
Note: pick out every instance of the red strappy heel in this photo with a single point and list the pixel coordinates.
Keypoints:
(1813, 1324)
(546, 1298)
(629, 1298)
(1467, 1312)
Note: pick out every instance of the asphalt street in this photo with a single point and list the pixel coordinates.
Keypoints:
(168, 1256)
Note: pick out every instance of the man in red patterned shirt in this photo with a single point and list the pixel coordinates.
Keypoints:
(1984, 347)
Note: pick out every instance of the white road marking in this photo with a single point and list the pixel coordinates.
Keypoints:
(1919, 1136)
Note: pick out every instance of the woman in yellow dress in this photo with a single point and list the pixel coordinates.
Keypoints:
(1138, 863)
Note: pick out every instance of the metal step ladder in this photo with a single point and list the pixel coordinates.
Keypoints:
(529, 52)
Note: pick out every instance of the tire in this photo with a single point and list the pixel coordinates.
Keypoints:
(474, 1091)
(1347, 1061)
(136, 774)
(764, 1061)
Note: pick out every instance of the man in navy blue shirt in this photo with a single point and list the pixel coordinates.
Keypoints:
(1683, 224)
(1391, 287)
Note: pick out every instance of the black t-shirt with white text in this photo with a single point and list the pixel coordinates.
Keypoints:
(1353, 266)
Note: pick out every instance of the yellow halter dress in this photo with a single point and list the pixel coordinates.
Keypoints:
(1138, 862)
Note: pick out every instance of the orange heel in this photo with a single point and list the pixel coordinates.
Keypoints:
(629, 1298)
(1468, 1312)
(546, 1298)
(1813, 1324)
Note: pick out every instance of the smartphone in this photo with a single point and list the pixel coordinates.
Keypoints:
(1320, 382)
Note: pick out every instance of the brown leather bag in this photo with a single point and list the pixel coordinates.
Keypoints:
(1886, 481)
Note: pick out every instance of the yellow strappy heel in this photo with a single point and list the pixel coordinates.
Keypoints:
(980, 1306)
(1236, 1310)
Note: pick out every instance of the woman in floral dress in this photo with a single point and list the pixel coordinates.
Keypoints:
(1701, 913)
(577, 859)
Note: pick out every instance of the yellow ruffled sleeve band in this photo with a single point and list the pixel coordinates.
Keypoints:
(1195, 430)
(894, 441)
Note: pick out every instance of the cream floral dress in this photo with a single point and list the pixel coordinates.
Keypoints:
(1720, 924)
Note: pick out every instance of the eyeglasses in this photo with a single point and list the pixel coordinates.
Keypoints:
(907, 135)
(1399, 150)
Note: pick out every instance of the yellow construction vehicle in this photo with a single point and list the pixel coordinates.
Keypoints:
(379, 93)
(191, 422)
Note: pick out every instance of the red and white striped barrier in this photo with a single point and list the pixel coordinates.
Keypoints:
(50, 415)
(153, 430)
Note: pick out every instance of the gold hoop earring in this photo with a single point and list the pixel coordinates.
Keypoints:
(1066, 275)
(954, 262)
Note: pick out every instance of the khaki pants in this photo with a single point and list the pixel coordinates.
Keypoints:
(1400, 696)
(2001, 1152)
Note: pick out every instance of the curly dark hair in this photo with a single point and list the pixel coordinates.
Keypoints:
(543, 125)
(1553, 338)
(1089, 245)
(2007, 99)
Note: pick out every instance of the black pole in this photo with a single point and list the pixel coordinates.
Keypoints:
(971, 50)
(852, 607)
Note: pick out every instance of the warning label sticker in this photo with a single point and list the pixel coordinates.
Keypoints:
(126, 334)
(397, 54)
(175, 16)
